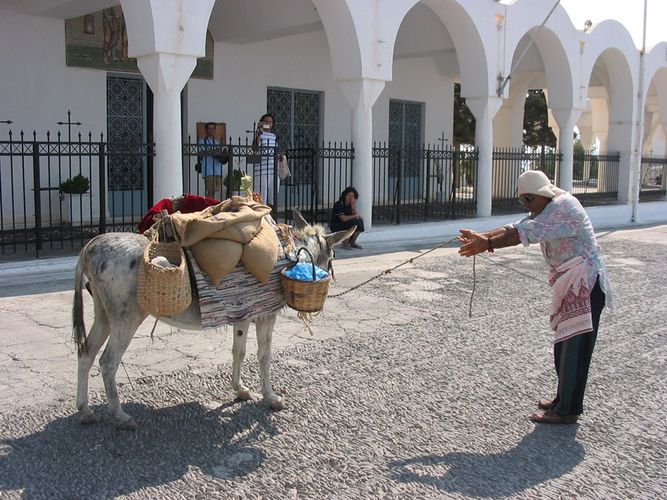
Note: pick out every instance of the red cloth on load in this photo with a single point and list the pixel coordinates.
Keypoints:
(190, 203)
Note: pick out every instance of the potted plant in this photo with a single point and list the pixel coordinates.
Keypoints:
(78, 184)
(232, 181)
(71, 192)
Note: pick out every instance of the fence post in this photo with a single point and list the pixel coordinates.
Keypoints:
(37, 189)
(102, 187)
(428, 181)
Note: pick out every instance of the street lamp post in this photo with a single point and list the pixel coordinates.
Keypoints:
(639, 123)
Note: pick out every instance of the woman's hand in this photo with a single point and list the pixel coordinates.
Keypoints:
(472, 243)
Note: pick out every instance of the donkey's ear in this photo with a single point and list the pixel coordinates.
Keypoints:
(299, 221)
(340, 236)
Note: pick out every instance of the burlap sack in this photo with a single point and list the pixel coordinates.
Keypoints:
(217, 258)
(236, 219)
(261, 253)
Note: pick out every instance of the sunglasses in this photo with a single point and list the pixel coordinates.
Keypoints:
(526, 198)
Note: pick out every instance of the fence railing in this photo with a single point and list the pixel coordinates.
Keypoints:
(427, 183)
(508, 164)
(317, 175)
(595, 177)
(653, 183)
(36, 210)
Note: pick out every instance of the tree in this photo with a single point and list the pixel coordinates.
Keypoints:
(536, 121)
(464, 121)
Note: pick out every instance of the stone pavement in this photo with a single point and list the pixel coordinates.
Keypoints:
(398, 394)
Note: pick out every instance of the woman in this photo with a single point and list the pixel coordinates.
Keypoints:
(578, 277)
(265, 138)
(344, 216)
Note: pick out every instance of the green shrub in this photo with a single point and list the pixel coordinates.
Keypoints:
(78, 184)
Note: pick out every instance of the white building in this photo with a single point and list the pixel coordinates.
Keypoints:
(345, 64)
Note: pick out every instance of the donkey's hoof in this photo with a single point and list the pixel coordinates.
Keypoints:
(276, 403)
(243, 394)
(88, 417)
(127, 425)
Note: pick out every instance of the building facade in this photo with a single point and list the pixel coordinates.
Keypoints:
(338, 70)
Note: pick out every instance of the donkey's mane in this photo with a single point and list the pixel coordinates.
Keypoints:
(310, 231)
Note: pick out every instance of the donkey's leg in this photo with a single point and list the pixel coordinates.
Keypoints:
(121, 333)
(264, 337)
(96, 337)
(238, 351)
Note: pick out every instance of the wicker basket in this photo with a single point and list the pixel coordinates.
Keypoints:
(164, 291)
(305, 296)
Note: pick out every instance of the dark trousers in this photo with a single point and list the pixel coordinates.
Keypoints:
(572, 357)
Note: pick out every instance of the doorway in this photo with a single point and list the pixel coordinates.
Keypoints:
(128, 175)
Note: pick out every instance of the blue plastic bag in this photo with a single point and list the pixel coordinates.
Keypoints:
(303, 271)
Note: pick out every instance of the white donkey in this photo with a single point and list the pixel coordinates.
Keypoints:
(110, 263)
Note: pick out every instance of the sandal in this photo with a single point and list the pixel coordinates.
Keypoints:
(545, 404)
(548, 417)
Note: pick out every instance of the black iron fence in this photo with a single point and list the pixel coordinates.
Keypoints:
(429, 183)
(595, 177)
(317, 175)
(508, 164)
(653, 183)
(55, 194)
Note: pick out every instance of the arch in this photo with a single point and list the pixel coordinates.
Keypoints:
(653, 64)
(610, 42)
(361, 36)
(556, 43)
(474, 41)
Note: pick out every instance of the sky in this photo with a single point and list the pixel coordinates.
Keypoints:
(628, 12)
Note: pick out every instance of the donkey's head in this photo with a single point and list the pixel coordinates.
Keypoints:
(317, 241)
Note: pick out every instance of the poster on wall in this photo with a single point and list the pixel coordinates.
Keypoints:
(99, 40)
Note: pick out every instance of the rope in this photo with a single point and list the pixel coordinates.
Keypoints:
(474, 282)
(410, 261)
(387, 271)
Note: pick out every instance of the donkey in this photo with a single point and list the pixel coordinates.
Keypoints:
(110, 263)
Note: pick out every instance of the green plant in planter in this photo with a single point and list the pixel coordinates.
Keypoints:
(233, 180)
(78, 184)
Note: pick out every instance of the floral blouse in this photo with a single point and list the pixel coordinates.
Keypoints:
(564, 231)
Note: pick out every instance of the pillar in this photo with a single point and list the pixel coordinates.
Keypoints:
(362, 93)
(484, 109)
(167, 37)
(566, 119)
(167, 74)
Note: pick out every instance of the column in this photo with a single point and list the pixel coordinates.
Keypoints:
(167, 37)
(484, 110)
(362, 93)
(566, 119)
(167, 74)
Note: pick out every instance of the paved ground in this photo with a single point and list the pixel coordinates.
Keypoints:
(399, 394)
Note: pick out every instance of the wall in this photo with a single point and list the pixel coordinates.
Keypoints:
(37, 88)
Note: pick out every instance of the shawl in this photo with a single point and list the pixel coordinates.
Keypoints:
(570, 311)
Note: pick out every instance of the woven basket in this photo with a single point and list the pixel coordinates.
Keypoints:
(305, 296)
(163, 291)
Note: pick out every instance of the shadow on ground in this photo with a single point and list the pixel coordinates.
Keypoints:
(546, 453)
(70, 460)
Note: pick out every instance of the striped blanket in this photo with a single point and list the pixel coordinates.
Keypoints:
(239, 296)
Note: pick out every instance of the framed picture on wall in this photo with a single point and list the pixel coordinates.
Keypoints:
(220, 131)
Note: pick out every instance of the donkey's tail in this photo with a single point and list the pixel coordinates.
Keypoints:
(78, 323)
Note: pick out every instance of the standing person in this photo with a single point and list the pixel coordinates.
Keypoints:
(265, 138)
(211, 159)
(344, 216)
(578, 278)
